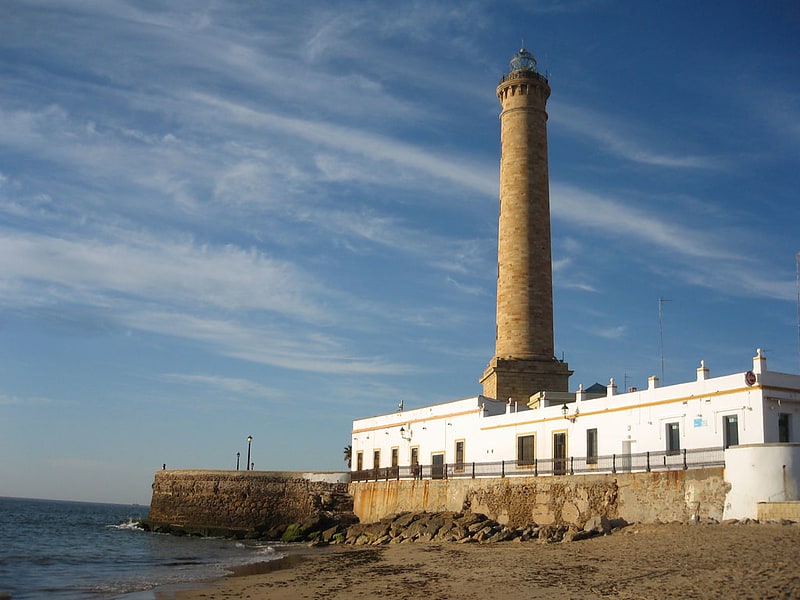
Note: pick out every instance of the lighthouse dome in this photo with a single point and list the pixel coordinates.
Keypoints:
(522, 61)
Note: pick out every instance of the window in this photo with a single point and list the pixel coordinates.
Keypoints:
(730, 430)
(784, 422)
(376, 459)
(359, 461)
(591, 446)
(673, 435)
(526, 450)
(395, 456)
(559, 453)
(459, 466)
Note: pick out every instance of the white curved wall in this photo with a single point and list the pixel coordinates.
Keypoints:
(760, 473)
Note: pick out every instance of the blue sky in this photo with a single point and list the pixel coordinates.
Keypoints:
(222, 219)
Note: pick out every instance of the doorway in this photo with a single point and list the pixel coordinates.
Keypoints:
(437, 466)
(625, 457)
(730, 430)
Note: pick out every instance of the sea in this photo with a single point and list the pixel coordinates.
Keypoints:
(75, 550)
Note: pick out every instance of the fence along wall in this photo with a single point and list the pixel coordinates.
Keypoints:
(648, 497)
(644, 461)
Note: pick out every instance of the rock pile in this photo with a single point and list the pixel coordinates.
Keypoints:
(462, 528)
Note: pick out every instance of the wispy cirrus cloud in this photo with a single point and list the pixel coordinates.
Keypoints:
(13, 400)
(237, 303)
(603, 213)
(701, 257)
(374, 147)
(611, 333)
(232, 385)
(148, 269)
(266, 343)
(614, 137)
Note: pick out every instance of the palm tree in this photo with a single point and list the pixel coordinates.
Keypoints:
(348, 456)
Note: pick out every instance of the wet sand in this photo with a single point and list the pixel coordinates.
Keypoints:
(641, 561)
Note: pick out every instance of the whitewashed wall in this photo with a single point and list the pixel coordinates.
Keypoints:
(630, 422)
(760, 473)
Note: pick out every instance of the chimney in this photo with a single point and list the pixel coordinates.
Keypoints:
(702, 372)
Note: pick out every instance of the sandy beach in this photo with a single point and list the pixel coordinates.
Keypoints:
(640, 561)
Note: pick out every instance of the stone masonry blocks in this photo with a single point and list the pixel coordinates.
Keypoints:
(524, 349)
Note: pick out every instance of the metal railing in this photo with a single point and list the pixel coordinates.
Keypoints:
(523, 74)
(573, 465)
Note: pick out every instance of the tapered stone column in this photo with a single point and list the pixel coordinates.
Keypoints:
(524, 361)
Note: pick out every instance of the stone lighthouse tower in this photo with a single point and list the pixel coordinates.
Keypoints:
(524, 361)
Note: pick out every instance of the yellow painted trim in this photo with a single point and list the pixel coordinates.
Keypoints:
(583, 414)
(629, 407)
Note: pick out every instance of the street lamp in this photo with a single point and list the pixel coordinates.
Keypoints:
(249, 441)
(237, 460)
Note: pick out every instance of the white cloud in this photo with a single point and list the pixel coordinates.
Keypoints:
(611, 333)
(269, 344)
(13, 400)
(616, 219)
(614, 138)
(470, 290)
(703, 257)
(375, 148)
(147, 269)
(233, 385)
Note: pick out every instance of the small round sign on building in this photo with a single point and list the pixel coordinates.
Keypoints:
(750, 378)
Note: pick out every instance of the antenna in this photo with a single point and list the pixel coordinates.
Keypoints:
(797, 277)
(661, 301)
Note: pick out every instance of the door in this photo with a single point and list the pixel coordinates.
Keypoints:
(559, 453)
(625, 456)
(437, 466)
(673, 435)
(730, 430)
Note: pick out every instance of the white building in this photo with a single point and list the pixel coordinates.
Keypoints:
(747, 421)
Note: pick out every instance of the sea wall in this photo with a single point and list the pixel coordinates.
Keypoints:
(517, 501)
(248, 502)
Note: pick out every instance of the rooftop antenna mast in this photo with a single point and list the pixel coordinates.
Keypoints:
(661, 301)
(797, 279)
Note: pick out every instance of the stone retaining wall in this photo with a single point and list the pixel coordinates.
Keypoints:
(516, 501)
(245, 501)
(777, 511)
(265, 503)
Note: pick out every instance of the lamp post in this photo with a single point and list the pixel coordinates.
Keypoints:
(237, 460)
(249, 441)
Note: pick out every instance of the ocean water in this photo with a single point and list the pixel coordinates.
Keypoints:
(53, 549)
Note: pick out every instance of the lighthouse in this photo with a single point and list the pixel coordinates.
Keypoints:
(524, 361)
